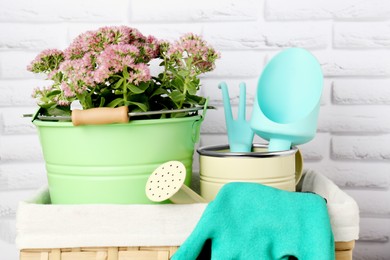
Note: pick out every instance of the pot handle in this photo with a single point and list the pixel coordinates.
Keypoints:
(197, 123)
(100, 115)
(298, 166)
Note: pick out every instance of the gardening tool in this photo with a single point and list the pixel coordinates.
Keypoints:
(240, 134)
(287, 102)
(167, 182)
(108, 115)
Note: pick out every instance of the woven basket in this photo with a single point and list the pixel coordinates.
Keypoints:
(38, 215)
(343, 252)
(99, 253)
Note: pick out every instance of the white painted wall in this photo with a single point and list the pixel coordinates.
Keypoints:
(351, 39)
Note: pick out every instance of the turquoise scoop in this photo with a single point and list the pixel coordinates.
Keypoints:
(287, 101)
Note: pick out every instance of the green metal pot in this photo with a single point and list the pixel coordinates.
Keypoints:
(111, 163)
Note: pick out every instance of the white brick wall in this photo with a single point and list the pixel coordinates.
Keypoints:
(351, 39)
(361, 92)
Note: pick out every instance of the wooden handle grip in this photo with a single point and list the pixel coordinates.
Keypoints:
(100, 116)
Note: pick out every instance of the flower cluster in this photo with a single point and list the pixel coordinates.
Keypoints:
(47, 61)
(110, 67)
(185, 60)
(192, 48)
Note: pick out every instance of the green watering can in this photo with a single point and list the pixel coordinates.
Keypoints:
(287, 101)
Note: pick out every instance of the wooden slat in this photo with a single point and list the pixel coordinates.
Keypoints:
(143, 255)
(44, 256)
(112, 253)
(101, 253)
(344, 255)
(55, 254)
(340, 246)
(172, 250)
(78, 255)
(344, 250)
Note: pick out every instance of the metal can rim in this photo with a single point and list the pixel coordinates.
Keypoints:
(216, 151)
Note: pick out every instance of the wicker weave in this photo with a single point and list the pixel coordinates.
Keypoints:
(343, 252)
(102, 253)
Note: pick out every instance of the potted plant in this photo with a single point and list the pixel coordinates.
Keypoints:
(110, 68)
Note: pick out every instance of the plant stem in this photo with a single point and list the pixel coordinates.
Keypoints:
(186, 82)
(125, 91)
(188, 65)
(165, 68)
(125, 78)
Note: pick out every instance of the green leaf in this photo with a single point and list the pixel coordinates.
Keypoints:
(159, 91)
(116, 102)
(58, 111)
(134, 89)
(178, 115)
(102, 100)
(142, 106)
(125, 73)
(183, 73)
(118, 84)
(116, 76)
(192, 88)
(196, 81)
(178, 83)
(47, 106)
(138, 89)
(53, 93)
(88, 101)
(177, 96)
(106, 91)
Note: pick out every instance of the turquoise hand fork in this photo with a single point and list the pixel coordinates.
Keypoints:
(240, 134)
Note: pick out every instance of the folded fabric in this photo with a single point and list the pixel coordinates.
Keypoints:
(40, 224)
(342, 208)
(252, 221)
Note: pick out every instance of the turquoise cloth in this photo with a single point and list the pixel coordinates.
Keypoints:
(252, 221)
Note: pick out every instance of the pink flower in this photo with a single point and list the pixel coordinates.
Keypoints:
(139, 73)
(96, 41)
(46, 61)
(152, 48)
(62, 102)
(94, 65)
(80, 70)
(113, 59)
(80, 89)
(191, 46)
(67, 90)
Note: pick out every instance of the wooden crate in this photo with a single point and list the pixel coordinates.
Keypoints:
(343, 252)
(99, 253)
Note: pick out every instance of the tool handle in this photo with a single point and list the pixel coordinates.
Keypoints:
(100, 115)
(226, 104)
(186, 196)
